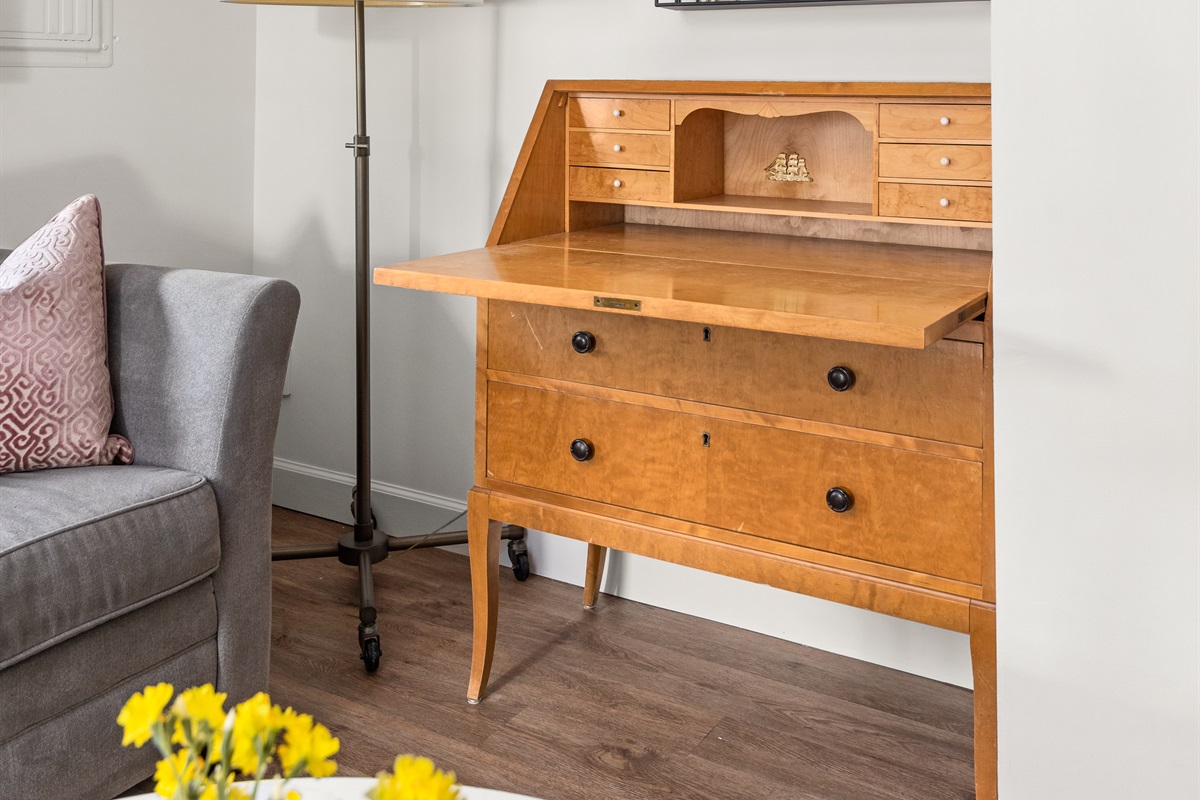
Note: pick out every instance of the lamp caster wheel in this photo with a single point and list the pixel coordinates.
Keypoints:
(518, 554)
(370, 654)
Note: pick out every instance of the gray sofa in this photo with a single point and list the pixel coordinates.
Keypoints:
(115, 577)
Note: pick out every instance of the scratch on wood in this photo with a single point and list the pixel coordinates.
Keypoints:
(531, 330)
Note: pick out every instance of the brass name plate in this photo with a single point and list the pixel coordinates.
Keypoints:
(618, 302)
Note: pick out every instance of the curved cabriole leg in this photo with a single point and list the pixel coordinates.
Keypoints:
(595, 572)
(483, 543)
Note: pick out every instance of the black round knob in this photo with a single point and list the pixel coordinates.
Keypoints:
(582, 450)
(583, 342)
(840, 379)
(839, 500)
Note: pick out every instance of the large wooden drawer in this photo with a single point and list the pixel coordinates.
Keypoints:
(959, 162)
(910, 510)
(920, 121)
(935, 393)
(620, 184)
(932, 201)
(623, 113)
(618, 147)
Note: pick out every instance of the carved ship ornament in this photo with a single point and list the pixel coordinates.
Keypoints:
(788, 167)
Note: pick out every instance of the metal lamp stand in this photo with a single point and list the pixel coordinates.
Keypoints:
(366, 545)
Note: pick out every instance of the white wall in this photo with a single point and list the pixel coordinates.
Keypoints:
(452, 92)
(164, 137)
(1096, 299)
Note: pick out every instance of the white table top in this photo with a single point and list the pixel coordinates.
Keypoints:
(356, 789)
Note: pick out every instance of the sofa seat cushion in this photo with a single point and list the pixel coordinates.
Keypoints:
(83, 545)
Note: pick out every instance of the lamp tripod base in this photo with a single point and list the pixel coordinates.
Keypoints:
(364, 547)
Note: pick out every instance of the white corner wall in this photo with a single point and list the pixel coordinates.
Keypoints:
(452, 92)
(164, 137)
(1096, 297)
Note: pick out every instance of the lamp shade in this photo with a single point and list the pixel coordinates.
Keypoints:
(372, 3)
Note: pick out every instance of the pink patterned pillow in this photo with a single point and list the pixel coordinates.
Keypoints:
(56, 401)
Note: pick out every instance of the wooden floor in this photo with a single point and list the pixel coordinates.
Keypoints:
(621, 703)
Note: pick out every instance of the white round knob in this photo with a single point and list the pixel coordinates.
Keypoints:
(945, 162)
(944, 202)
(618, 112)
(617, 184)
(617, 148)
(944, 120)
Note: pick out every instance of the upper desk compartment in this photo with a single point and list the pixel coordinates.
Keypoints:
(851, 157)
(856, 212)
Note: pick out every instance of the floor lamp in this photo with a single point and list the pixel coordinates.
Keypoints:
(366, 545)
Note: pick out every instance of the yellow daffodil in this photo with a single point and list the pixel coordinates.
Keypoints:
(415, 778)
(307, 747)
(142, 711)
(199, 715)
(172, 771)
(256, 725)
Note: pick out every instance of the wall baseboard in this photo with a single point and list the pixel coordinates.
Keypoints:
(399, 510)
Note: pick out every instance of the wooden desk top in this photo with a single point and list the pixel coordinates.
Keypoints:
(855, 291)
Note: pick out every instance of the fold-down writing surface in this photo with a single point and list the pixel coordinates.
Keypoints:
(848, 305)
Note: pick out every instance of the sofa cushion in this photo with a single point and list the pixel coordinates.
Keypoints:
(83, 545)
(56, 400)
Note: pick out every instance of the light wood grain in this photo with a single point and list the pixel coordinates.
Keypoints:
(849, 307)
(935, 393)
(835, 146)
(932, 447)
(623, 113)
(582, 215)
(928, 264)
(983, 667)
(777, 108)
(593, 574)
(898, 600)
(913, 511)
(534, 202)
(910, 91)
(484, 545)
(919, 121)
(699, 156)
(965, 162)
(877, 229)
(623, 185)
(971, 203)
(619, 148)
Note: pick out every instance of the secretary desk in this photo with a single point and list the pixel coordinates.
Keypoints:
(745, 327)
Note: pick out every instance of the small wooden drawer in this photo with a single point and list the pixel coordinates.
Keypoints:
(910, 510)
(620, 184)
(611, 112)
(935, 393)
(611, 147)
(937, 161)
(931, 201)
(916, 121)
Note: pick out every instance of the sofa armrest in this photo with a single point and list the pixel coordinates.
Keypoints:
(198, 361)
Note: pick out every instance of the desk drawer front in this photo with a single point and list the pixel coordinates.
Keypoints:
(936, 393)
(612, 147)
(910, 510)
(937, 161)
(620, 184)
(931, 201)
(610, 112)
(920, 121)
